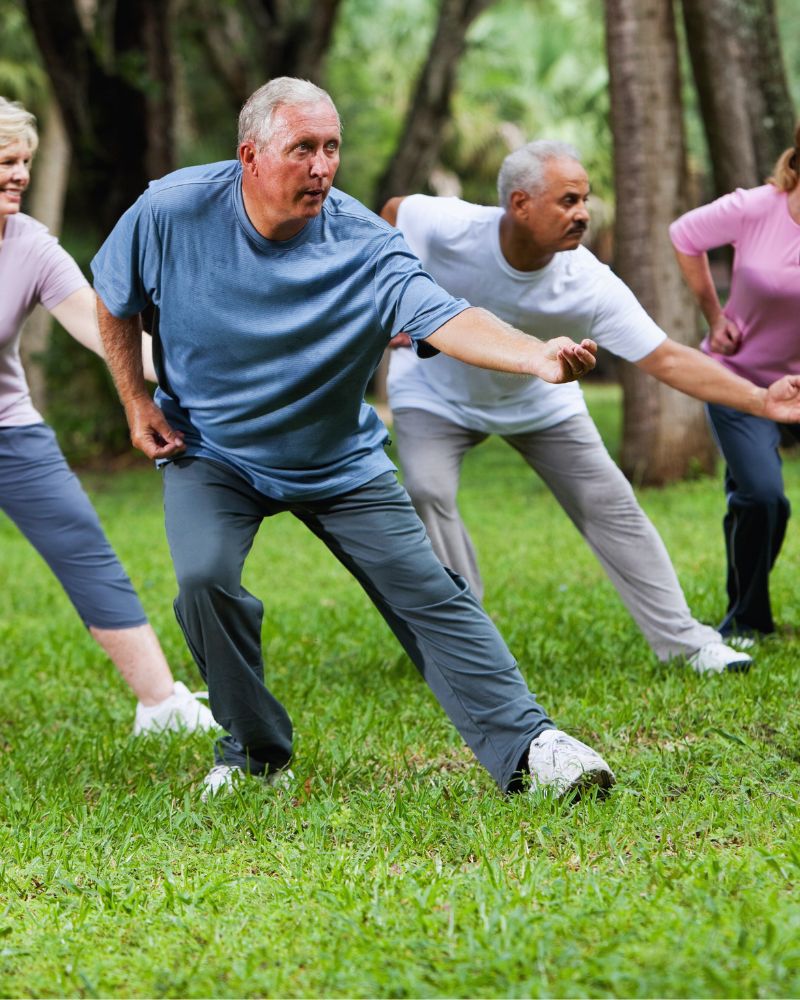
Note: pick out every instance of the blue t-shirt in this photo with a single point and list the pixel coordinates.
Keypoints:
(267, 347)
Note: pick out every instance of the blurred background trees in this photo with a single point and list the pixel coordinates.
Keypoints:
(433, 94)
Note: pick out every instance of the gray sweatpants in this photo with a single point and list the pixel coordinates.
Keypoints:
(573, 462)
(212, 516)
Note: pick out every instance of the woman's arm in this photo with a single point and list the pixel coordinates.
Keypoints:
(724, 336)
(78, 315)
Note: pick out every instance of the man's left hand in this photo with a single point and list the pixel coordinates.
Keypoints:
(564, 361)
(782, 403)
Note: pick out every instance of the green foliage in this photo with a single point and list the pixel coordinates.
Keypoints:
(531, 70)
(21, 75)
(392, 867)
(789, 27)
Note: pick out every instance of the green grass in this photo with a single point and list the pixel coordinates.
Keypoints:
(393, 867)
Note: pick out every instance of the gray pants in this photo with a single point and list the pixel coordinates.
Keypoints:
(42, 496)
(212, 516)
(573, 462)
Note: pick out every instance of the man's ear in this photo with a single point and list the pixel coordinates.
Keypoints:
(247, 156)
(519, 203)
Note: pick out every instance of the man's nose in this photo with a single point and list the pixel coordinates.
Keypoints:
(320, 165)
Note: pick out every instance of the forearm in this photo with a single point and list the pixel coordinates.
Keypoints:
(122, 340)
(122, 343)
(477, 337)
(78, 314)
(697, 275)
(695, 374)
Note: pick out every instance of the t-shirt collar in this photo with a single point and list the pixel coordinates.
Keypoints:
(255, 236)
(512, 272)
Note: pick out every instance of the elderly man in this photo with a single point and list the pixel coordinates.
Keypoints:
(276, 296)
(523, 261)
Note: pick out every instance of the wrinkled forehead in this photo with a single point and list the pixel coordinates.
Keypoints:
(565, 174)
(292, 121)
(14, 146)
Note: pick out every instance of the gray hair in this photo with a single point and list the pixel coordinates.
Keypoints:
(523, 170)
(17, 124)
(258, 111)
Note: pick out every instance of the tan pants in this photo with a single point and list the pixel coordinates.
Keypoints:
(573, 462)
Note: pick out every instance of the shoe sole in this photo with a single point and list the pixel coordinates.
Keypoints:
(601, 780)
(739, 667)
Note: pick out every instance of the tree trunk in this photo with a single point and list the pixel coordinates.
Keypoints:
(664, 433)
(47, 205)
(741, 84)
(118, 109)
(423, 133)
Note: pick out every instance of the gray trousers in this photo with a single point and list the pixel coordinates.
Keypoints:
(573, 462)
(43, 497)
(212, 516)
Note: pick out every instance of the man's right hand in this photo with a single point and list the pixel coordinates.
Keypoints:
(724, 336)
(150, 432)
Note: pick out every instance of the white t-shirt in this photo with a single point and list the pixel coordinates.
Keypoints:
(574, 296)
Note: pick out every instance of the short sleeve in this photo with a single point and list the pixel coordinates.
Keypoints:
(58, 274)
(621, 325)
(127, 265)
(407, 299)
(714, 225)
(417, 220)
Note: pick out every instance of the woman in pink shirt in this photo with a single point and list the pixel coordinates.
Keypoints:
(757, 335)
(38, 491)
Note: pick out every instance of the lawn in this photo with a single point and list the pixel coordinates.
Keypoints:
(392, 867)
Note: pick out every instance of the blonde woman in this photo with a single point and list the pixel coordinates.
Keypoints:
(38, 492)
(755, 335)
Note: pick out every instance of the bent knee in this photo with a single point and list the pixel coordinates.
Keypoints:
(202, 576)
(428, 495)
(764, 496)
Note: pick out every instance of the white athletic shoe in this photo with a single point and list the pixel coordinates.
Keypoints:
(563, 764)
(183, 710)
(744, 643)
(225, 777)
(221, 778)
(716, 658)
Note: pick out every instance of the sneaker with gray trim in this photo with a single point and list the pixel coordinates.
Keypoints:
(717, 658)
(225, 777)
(183, 710)
(561, 764)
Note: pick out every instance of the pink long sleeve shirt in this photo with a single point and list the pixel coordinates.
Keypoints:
(764, 299)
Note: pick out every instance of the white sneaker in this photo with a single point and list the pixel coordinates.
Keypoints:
(716, 658)
(225, 777)
(221, 778)
(559, 762)
(182, 710)
(741, 642)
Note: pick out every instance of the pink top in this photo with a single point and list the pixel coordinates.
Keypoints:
(33, 268)
(764, 301)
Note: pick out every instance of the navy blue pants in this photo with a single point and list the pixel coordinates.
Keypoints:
(212, 516)
(43, 497)
(757, 515)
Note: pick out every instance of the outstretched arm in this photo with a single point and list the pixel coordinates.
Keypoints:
(150, 431)
(694, 373)
(480, 338)
(724, 336)
(389, 210)
(78, 315)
